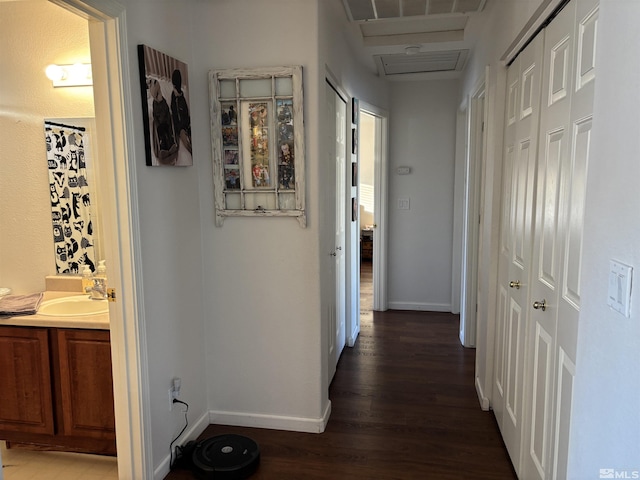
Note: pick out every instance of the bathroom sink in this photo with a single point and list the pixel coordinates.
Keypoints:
(75, 306)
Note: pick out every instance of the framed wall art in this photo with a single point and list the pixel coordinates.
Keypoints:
(164, 86)
(354, 174)
(354, 209)
(355, 110)
(354, 141)
(258, 142)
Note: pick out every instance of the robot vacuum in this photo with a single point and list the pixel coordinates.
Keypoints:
(225, 457)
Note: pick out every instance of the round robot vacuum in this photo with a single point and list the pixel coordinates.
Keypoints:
(225, 457)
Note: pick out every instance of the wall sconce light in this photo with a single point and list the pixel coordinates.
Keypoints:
(77, 75)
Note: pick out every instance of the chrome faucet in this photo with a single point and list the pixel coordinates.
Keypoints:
(98, 290)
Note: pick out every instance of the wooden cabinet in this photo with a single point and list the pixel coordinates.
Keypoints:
(26, 400)
(58, 388)
(366, 244)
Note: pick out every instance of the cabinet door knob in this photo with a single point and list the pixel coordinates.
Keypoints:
(515, 284)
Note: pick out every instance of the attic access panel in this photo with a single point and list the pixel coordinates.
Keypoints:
(428, 62)
(365, 10)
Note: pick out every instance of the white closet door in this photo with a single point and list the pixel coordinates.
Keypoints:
(572, 221)
(565, 127)
(523, 108)
(500, 344)
(554, 149)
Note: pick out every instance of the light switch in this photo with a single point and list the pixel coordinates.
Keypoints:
(619, 297)
(403, 204)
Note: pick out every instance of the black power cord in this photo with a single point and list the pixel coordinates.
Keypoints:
(186, 424)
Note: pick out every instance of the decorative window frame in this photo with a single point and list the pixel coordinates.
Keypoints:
(238, 191)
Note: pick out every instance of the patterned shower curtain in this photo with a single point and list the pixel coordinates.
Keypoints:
(70, 199)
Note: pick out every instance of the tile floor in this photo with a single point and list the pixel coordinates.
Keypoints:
(19, 464)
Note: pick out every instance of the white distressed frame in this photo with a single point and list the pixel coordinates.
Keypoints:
(220, 192)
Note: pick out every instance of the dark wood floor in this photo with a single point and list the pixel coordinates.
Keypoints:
(404, 406)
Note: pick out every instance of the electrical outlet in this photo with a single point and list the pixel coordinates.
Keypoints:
(174, 391)
(177, 383)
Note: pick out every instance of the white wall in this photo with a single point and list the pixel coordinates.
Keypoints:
(170, 234)
(261, 275)
(422, 136)
(366, 164)
(27, 97)
(605, 423)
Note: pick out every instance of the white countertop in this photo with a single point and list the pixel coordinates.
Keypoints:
(94, 322)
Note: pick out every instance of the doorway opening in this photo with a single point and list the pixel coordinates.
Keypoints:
(31, 107)
(366, 197)
(116, 183)
(372, 181)
(473, 225)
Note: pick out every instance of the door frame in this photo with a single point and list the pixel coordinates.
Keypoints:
(332, 82)
(117, 184)
(475, 160)
(380, 207)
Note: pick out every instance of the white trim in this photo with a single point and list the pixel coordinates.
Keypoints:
(381, 235)
(540, 16)
(484, 401)
(118, 191)
(457, 268)
(421, 307)
(274, 422)
(475, 159)
(191, 434)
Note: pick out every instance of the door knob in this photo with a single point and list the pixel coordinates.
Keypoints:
(515, 284)
(333, 254)
(540, 305)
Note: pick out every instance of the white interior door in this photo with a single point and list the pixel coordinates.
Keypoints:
(337, 118)
(567, 108)
(547, 252)
(341, 208)
(524, 79)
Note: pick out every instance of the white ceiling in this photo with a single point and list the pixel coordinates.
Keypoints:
(415, 39)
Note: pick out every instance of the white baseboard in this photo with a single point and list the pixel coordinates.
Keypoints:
(351, 339)
(190, 434)
(421, 307)
(484, 401)
(274, 422)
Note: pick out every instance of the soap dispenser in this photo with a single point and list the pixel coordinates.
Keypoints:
(102, 270)
(87, 278)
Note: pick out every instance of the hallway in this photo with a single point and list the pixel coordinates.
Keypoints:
(403, 407)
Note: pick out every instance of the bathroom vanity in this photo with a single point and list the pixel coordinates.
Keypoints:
(57, 386)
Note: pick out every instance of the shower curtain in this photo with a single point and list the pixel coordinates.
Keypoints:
(70, 198)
